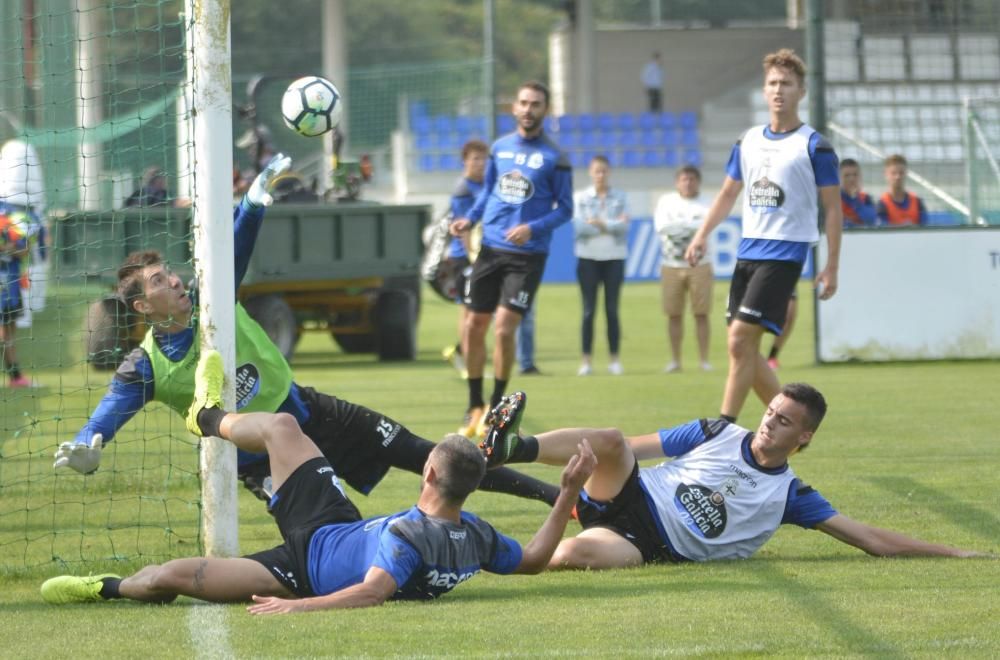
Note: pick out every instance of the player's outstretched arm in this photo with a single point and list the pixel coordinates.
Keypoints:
(258, 194)
(886, 543)
(377, 588)
(538, 551)
(84, 457)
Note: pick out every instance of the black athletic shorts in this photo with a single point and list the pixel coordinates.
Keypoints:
(9, 315)
(504, 278)
(361, 444)
(760, 290)
(628, 515)
(308, 500)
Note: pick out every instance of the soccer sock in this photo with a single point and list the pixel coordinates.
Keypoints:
(458, 348)
(774, 353)
(504, 480)
(475, 392)
(14, 370)
(498, 389)
(209, 420)
(728, 418)
(109, 588)
(525, 451)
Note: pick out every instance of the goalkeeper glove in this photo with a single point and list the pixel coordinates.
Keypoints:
(84, 457)
(258, 195)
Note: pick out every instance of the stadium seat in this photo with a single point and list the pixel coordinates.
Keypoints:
(587, 122)
(615, 158)
(690, 138)
(631, 158)
(505, 124)
(576, 160)
(626, 121)
(588, 155)
(418, 109)
(628, 139)
(567, 123)
(423, 142)
(444, 124)
(426, 162)
(667, 121)
(653, 158)
(588, 139)
(648, 121)
(650, 139)
(550, 124)
(422, 125)
(568, 140)
(606, 122)
(449, 162)
(692, 157)
(607, 140)
(449, 141)
(670, 158)
(688, 119)
(463, 125)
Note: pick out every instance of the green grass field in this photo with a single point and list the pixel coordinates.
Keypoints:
(912, 447)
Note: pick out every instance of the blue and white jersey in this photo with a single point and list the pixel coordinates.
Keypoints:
(465, 195)
(426, 556)
(782, 173)
(528, 180)
(713, 501)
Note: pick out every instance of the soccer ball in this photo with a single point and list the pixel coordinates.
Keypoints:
(311, 106)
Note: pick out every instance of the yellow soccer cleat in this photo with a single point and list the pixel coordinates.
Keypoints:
(208, 379)
(473, 421)
(73, 589)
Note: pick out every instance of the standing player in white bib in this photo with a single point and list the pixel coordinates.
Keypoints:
(725, 492)
(786, 165)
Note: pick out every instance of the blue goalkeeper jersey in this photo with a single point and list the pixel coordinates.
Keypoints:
(426, 556)
(529, 180)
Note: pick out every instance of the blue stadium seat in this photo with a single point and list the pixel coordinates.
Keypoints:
(448, 162)
(587, 156)
(587, 122)
(688, 119)
(426, 162)
(588, 139)
(444, 124)
(567, 123)
(650, 139)
(607, 140)
(626, 121)
(648, 121)
(464, 124)
(576, 159)
(567, 140)
(449, 141)
(550, 124)
(631, 158)
(479, 127)
(505, 124)
(670, 157)
(690, 138)
(423, 141)
(422, 125)
(628, 138)
(606, 121)
(667, 121)
(653, 158)
(418, 109)
(669, 138)
(693, 157)
(615, 158)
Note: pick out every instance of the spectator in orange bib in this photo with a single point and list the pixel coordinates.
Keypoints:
(897, 206)
(857, 205)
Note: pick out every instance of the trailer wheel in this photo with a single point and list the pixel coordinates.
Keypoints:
(355, 343)
(276, 317)
(396, 325)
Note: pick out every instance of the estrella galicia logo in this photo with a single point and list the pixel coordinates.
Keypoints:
(247, 384)
(765, 194)
(515, 188)
(702, 510)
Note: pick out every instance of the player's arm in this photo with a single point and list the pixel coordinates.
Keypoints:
(377, 588)
(885, 543)
(562, 194)
(826, 281)
(717, 212)
(538, 551)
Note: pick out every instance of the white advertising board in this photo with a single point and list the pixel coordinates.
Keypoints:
(913, 294)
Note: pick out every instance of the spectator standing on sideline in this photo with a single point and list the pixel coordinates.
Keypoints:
(528, 194)
(458, 259)
(898, 207)
(677, 218)
(787, 165)
(22, 197)
(858, 206)
(652, 82)
(152, 191)
(600, 224)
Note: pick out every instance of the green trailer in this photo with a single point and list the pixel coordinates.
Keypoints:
(351, 270)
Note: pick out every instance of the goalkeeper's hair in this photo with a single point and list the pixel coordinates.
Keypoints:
(459, 466)
(131, 284)
(786, 58)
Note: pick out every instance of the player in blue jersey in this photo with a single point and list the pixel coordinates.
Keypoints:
(528, 192)
(725, 492)
(362, 444)
(330, 557)
(785, 165)
(456, 265)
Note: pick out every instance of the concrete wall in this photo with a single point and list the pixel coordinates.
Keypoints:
(699, 64)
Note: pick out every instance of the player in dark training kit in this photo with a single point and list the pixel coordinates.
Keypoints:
(330, 557)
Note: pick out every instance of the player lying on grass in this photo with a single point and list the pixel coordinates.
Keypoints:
(722, 496)
(330, 557)
(361, 444)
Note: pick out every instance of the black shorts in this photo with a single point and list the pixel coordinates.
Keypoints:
(760, 290)
(361, 444)
(628, 515)
(452, 276)
(504, 278)
(308, 500)
(9, 315)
